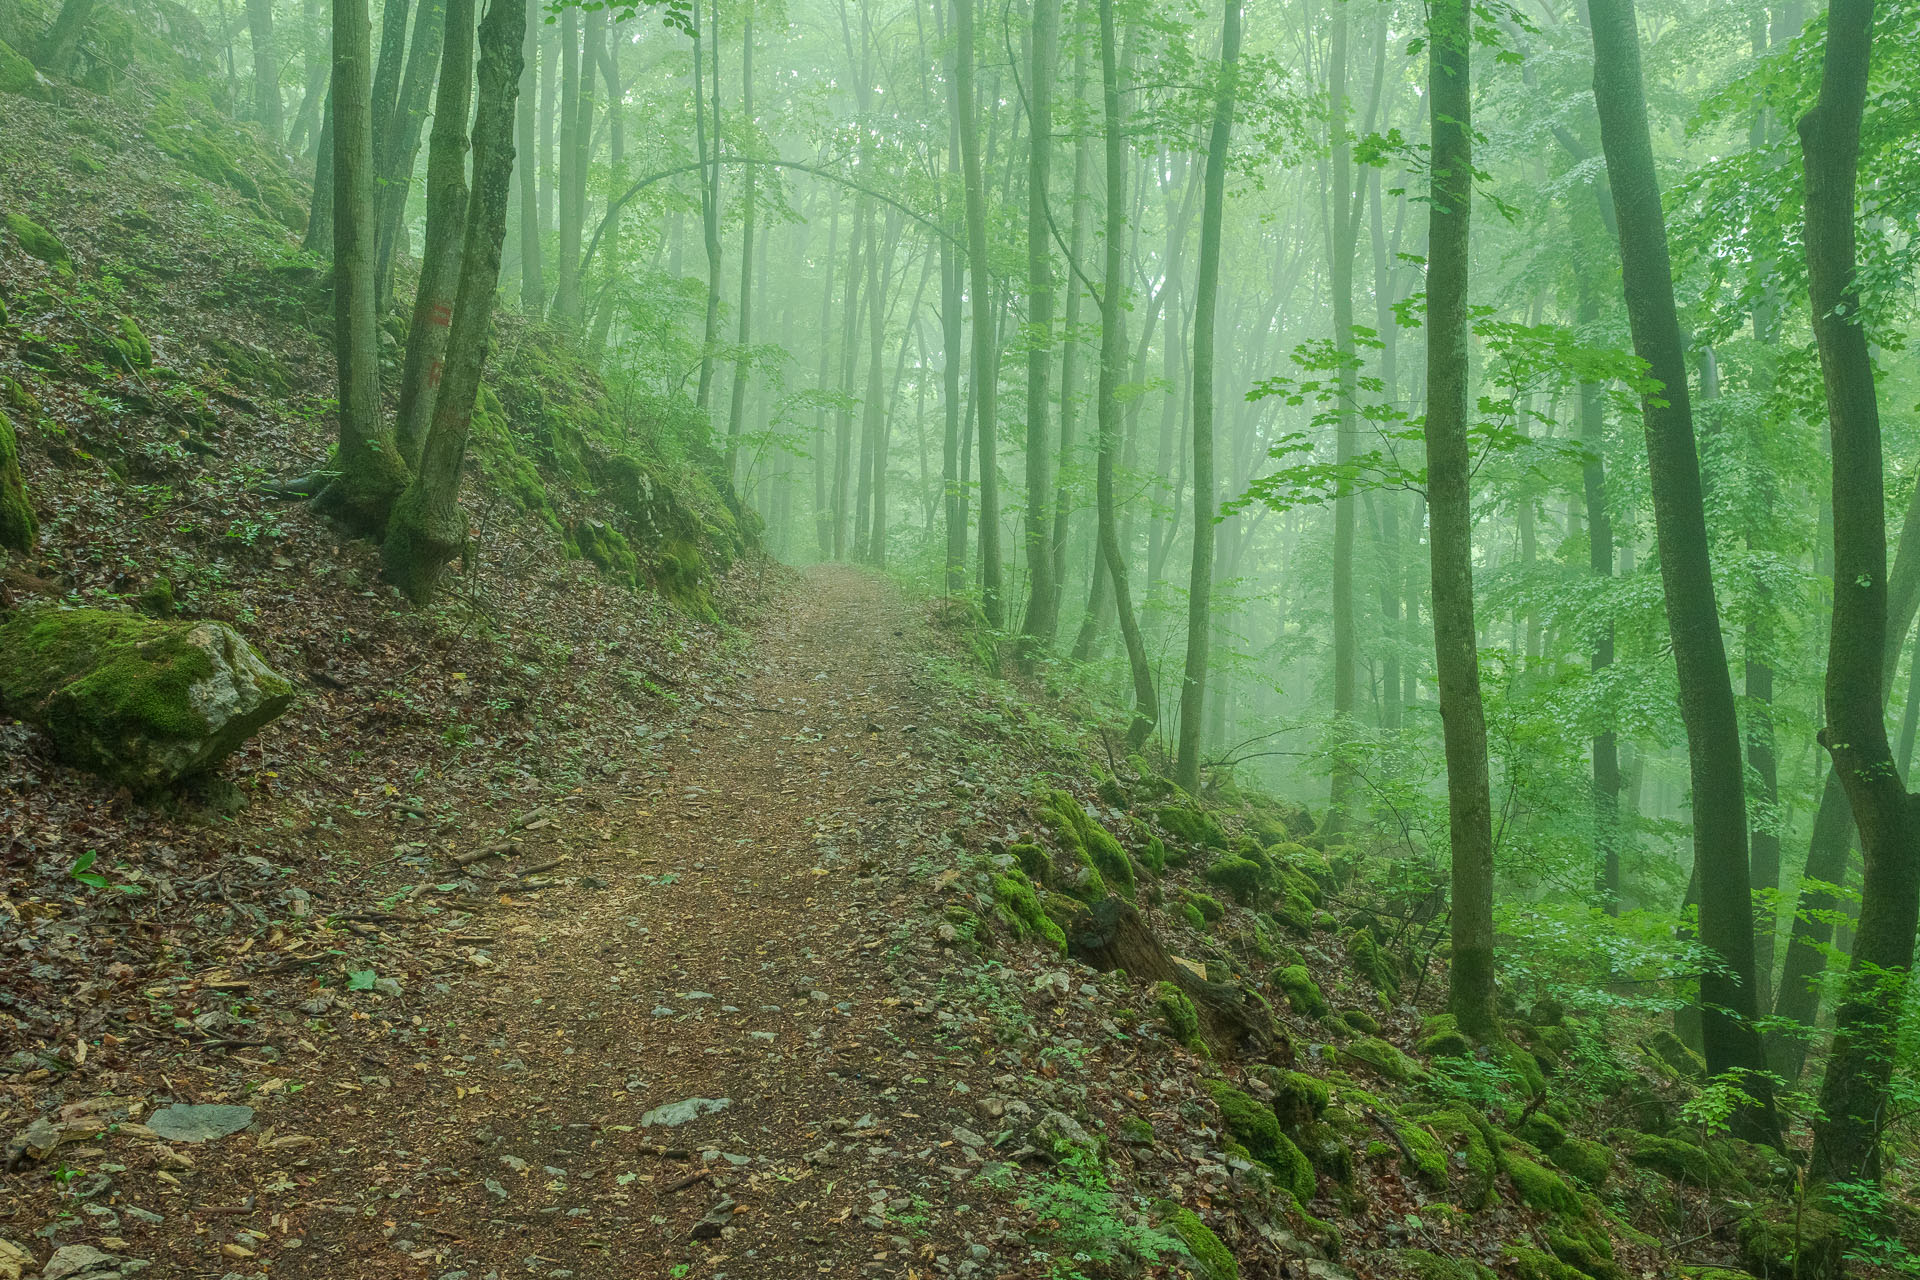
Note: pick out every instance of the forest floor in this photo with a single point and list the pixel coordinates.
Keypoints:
(755, 926)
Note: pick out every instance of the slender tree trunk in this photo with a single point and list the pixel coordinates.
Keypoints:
(58, 46)
(709, 196)
(572, 183)
(849, 362)
(1603, 749)
(319, 238)
(1113, 361)
(401, 141)
(266, 70)
(371, 471)
(429, 529)
(736, 409)
(985, 344)
(305, 129)
(1193, 688)
(1910, 713)
(548, 161)
(822, 514)
(533, 286)
(952, 283)
(873, 406)
(1341, 236)
(1853, 1099)
(1043, 590)
(1728, 1008)
(602, 306)
(386, 73)
(1450, 516)
(1070, 344)
(440, 265)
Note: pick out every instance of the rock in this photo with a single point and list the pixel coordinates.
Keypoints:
(14, 1261)
(716, 1221)
(678, 1113)
(36, 241)
(85, 1260)
(138, 701)
(19, 526)
(183, 1123)
(1058, 1134)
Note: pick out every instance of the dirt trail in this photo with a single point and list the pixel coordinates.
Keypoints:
(737, 936)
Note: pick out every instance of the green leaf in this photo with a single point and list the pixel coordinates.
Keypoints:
(360, 979)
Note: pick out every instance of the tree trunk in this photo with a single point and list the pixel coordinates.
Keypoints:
(266, 70)
(709, 149)
(62, 40)
(1043, 591)
(601, 306)
(440, 266)
(566, 290)
(429, 529)
(1070, 344)
(736, 409)
(400, 142)
(533, 285)
(1342, 233)
(371, 471)
(985, 343)
(1604, 750)
(1193, 688)
(304, 132)
(1113, 361)
(319, 238)
(1727, 1001)
(1853, 1099)
(951, 287)
(386, 73)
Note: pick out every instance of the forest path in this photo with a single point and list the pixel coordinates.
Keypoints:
(739, 935)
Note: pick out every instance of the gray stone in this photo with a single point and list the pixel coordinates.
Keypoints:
(183, 1123)
(678, 1113)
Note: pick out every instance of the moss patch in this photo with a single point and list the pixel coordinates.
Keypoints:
(1255, 1127)
(1245, 879)
(1019, 909)
(1540, 1187)
(19, 527)
(1212, 1258)
(1302, 992)
(1588, 1163)
(36, 241)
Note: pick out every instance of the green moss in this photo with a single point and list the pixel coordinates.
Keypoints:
(17, 75)
(1471, 1158)
(1422, 1265)
(1192, 915)
(1523, 1064)
(1588, 1163)
(1255, 1126)
(131, 346)
(1033, 860)
(1382, 1059)
(1541, 1188)
(1136, 1132)
(156, 599)
(1192, 826)
(1531, 1264)
(19, 526)
(1359, 1020)
(1542, 1130)
(1084, 843)
(1584, 1247)
(1678, 1160)
(1780, 1242)
(210, 146)
(1671, 1052)
(1298, 1098)
(1245, 879)
(1177, 1012)
(1302, 992)
(1372, 962)
(1212, 1258)
(1207, 905)
(1019, 909)
(36, 241)
(1070, 914)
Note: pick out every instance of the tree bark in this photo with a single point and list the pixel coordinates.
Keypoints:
(1113, 361)
(980, 291)
(266, 70)
(709, 149)
(1853, 1098)
(1342, 233)
(319, 237)
(386, 73)
(1043, 590)
(429, 529)
(400, 142)
(1728, 1007)
(1450, 514)
(440, 266)
(952, 283)
(533, 285)
(371, 470)
(566, 289)
(737, 407)
(1193, 687)
(1070, 346)
(62, 41)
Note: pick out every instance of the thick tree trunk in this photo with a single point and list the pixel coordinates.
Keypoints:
(266, 70)
(1043, 590)
(440, 266)
(1113, 361)
(371, 471)
(400, 141)
(1193, 687)
(1450, 506)
(985, 338)
(429, 529)
(1728, 1007)
(387, 72)
(533, 285)
(1853, 1099)
(58, 46)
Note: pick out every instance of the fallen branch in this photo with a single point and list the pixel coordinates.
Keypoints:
(486, 851)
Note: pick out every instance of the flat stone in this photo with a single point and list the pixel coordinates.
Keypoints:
(184, 1123)
(678, 1113)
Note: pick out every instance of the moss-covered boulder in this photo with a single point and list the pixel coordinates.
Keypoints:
(1542, 1130)
(1192, 826)
(1212, 1259)
(1090, 862)
(19, 527)
(1472, 1161)
(1245, 879)
(138, 701)
(18, 75)
(1677, 1159)
(1778, 1243)
(1540, 1187)
(1019, 909)
(607, 549)
(1177, 1011)
(1207, 905)
(1373, 961)
(1586, 1162)
(1254, 1126)
(1531, 1264)
(1302, 992)
(1298, 1098)
(1671, 1052)
(1360, 1022)
(36, 241)
(1380, 1058)
(1424, 1265)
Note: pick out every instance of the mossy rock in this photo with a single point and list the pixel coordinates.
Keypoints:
(1177, 1011)
(1302, 992)
(36, 241)
(1327, 1149)
(1192, 826)
(1207, 905)
(138, 701)
(1533, 1081)
(1382, 1059)
(1676, 1159)
(1542, 1130)
(1298, 1098)
(1423, 1265)
(1019, 909)
(1032, 859)
(608, 550)
(1530, 1264)
(1212, 1259)
(1778, 1243)
(1666, 1048)
(156, 598)
(1090, 861)
(19, 526)
(1471, 1158)
(1584, 1247)
(1360, 1021)
(19, 76)
(1255, 1127)
(1587, 1162)
(131, 347)
(1191, 914)
(1372, 961)
(1540, 1187)
(1245, 879)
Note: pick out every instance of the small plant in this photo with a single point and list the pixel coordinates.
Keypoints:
(82, 871)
